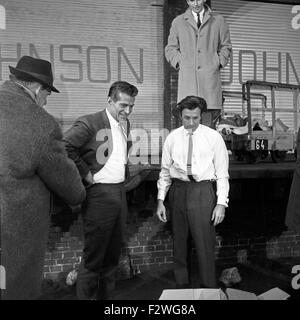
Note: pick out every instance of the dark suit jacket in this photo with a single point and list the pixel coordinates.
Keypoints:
(89, 142)
(33, 162)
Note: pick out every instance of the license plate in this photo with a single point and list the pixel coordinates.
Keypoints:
(261, 144)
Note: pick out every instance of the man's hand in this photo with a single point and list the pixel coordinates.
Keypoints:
(218, 214)
(89, 178)
(161, 211)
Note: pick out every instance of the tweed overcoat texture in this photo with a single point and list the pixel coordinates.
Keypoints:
(198, 54)
(33, 162)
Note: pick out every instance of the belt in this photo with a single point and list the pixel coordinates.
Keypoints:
(99, 184)
(107, 183)
(201, 181)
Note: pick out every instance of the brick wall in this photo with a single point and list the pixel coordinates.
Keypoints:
(64, 251)
(149, 245)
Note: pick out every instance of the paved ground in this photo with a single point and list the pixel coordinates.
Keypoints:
(256, 277)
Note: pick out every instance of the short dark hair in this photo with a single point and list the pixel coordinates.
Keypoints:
(124, 87)
(191, 103)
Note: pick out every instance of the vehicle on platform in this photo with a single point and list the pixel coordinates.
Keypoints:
(251, 138)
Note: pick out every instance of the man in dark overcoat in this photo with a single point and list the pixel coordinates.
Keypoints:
(33, 163)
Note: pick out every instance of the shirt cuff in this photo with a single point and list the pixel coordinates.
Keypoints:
(161, 195)
(223, 201)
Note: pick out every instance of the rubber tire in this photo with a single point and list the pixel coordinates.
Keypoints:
(278, 156)
(251, 156)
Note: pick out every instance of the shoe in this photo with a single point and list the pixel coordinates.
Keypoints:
(230, 277)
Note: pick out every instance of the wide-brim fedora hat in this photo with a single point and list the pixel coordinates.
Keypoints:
(34, 69)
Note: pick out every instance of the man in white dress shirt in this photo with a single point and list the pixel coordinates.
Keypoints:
(99, 146)
(198, 190)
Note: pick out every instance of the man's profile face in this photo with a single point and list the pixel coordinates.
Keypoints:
(122, 107)
(196, 5)
(191, 118)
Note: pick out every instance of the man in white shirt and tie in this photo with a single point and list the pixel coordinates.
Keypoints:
(195, 168)
(198, 47)
(99, 146)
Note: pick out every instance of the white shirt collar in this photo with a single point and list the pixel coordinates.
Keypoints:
(201, 15)
(187, 132)
(111, 119)
(32, 95)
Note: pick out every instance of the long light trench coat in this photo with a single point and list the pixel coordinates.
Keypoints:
(199, 54)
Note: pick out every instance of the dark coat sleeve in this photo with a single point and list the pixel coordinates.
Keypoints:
(298, 153)
(56, 170)
(135, 173)
(292, 219)
(75, 138)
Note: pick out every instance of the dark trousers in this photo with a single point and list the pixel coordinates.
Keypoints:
(210, 117)
(104, 215)
(191, 205)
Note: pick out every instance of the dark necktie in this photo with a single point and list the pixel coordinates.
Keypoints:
(198, 20)
(122, 129)
(189, 158)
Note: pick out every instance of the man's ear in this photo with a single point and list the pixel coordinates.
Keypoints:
(179, 111)
(33, 86)
(176, 111)
(179, 114)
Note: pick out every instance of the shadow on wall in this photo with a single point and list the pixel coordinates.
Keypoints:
(254, 227)
(256, 207)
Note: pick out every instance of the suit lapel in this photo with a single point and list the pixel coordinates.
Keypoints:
(107, 129)
(207, 16)
(102, 123)
(190, 19)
